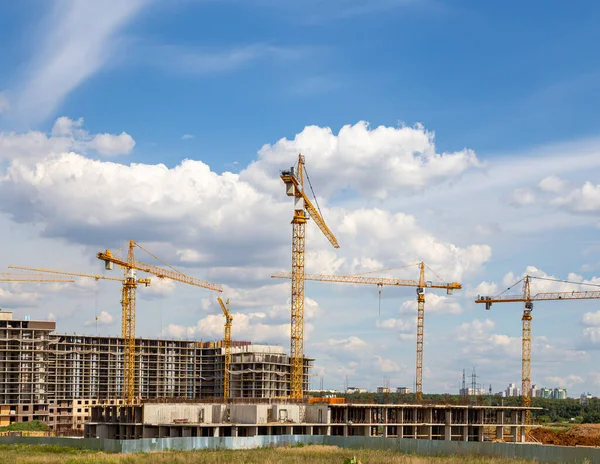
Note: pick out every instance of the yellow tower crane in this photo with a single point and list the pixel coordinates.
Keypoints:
(303, 210)
(227, 343)
(130, 266)
(421, 284)
(527, 299)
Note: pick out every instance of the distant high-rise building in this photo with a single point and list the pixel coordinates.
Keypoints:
(545, 392)
(535, 392)
(513, 390)
(383, 389)
(560, 394)
(403, 390)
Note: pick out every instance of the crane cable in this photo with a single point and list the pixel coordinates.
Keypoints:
(313, 192)
(548, 279)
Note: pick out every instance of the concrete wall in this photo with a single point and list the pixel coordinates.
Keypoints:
(285, 413)
(313, 416)
(541, 453)
(168, 413)
(249, 413)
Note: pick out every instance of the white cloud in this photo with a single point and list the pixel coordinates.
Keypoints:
(104, 318)
(568, 381)
(551, 184)
(591, 319)
(64, 126)
(584, 200)
(67, 135)
(399, 325)
(78, 39)
(434, 304)
(112, 145)
(352, 344)
(402, 158)
(255, 327)
(521, 197)
(158, 288)
(483, 288)
(387, 365)
(187, 137)
(14, 296)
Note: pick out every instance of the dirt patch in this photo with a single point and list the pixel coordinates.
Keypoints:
(578, 435)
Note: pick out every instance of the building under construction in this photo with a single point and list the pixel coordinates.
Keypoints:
(57, 378)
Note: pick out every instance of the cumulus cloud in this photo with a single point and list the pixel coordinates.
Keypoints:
(434, 304)
(66, 135)
(255, 327)
(187, 137)
(399, 325)
(400, 158)
(591, 319)
(112, 145)
(551, 184)
(104, 318)
(568, 381)
(387, 365)
(483, 288)
(521, 197)
(584, 200)
(14, 296)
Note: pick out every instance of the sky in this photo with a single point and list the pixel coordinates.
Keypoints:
(459, 133)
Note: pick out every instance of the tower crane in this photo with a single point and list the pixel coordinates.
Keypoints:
(227, 343)
(528, 299)
(421, 284)
(130, 283)
(303, 210)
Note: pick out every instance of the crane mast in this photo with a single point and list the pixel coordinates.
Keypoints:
(420, 331)
(527, 299)
(303, 209)
(128, 303)
(227, 345)
(420, 285)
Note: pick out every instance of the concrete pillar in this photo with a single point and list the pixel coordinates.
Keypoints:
(234, 431)
(309, 430)
(400, 431)
(345, 430)
(328, 430)
(480, 434)
(514, 434)
(465, 433)
(448, 426)
(367, 431)
(269, 430)
(499, 432)
(289, 430)
(216, 432)
(429, 431)
(385, 431)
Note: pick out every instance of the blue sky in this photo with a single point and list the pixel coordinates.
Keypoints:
(507, 91)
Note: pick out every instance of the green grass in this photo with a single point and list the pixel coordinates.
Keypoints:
(313, 454)
(33, 426)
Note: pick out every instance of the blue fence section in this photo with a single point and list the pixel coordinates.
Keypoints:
(539, 453)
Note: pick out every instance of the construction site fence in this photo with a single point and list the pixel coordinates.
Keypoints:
(220, 400)
(527, 451)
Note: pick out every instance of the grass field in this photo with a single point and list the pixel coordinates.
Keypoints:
(312, 454)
